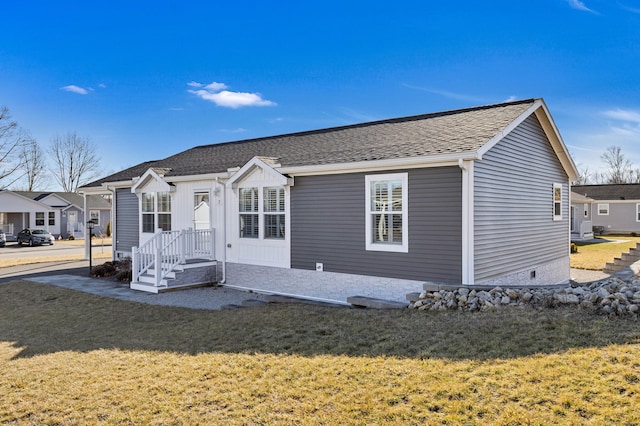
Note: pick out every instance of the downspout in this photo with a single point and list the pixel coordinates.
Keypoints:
(468, 256)
(224, 231)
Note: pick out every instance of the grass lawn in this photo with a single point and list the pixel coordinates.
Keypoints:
(72, 358)
(594, 256)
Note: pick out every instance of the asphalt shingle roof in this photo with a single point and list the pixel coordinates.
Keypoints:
(625, 191)
(70, 197)
(449, 132)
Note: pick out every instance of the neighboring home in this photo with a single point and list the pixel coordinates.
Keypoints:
(581, 223)
(613, 208)
(476, 196)
(61, 213)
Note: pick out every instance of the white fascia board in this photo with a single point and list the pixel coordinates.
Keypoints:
(150, 174)
(515, 123)
(616, 201)
(257, 162)
(378, 165)
(539, 108)
(560, 148)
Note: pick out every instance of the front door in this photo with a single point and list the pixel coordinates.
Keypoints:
(201, 211)
(72, 220)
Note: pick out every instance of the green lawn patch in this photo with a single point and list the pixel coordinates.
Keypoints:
(594, 255)
(73, 358)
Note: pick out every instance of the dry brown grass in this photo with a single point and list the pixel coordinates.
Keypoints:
(594, 256)
(72, 358)
(7, 262)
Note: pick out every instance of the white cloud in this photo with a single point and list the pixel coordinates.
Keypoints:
(75, 89)
(511, 99)
(214, 92)
(446, 94)
(215, 87)
(102, 86)
(238, 130)
(578, 5)
(623, 115)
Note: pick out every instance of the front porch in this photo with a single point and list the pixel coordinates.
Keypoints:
(583, 232)
(173, 260)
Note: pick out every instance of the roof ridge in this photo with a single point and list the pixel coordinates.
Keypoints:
(372, 123)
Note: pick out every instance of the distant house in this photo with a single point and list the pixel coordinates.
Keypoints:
(471, 196)
(62, 213)
(612, 208)
(581, 223)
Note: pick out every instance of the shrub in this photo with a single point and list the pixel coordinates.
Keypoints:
(71, 238)
(574, 248)
(109, 229)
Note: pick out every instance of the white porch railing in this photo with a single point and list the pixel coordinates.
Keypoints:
(7, 228)
(168, 249)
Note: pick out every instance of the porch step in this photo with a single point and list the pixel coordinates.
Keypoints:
(625, 260)
(372, 302)
(191, 275)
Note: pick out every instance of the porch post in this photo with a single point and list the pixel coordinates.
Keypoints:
(158, 263)
(135, 264)
(212, 244)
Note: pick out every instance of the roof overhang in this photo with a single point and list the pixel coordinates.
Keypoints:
(441, 160)
(253, 164)
(151, 176)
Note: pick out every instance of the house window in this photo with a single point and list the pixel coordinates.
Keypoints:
(586, 210)
(637, 212)
(249, 213)
(274, 226)
(156, 211)
(603, 209)
(386, 221)
(264, 206)
(52, 218)
(94, 216)
(557, 201)
(39, 218)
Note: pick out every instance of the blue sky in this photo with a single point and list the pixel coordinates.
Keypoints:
(145, 80)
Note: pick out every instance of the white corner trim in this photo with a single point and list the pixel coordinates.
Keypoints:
(468, 241)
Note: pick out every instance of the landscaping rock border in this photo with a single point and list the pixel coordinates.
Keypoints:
(612, 296)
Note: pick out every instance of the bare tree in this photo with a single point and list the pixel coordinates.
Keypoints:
(32, 163)
(10, 144)
(620, 170)
(75, 161)
(584, 176)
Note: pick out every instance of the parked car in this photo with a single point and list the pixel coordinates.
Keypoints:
(35, 237)
(3, 238)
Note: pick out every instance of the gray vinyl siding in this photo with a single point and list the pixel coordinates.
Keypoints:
(328, 226)
(127, 217)
(621, 218)
(513, 197)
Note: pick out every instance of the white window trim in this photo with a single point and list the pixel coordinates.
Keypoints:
(561, 201)
(369, 244)
(155, 213)
(638, 212)
(261, 213)
(598, 209)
